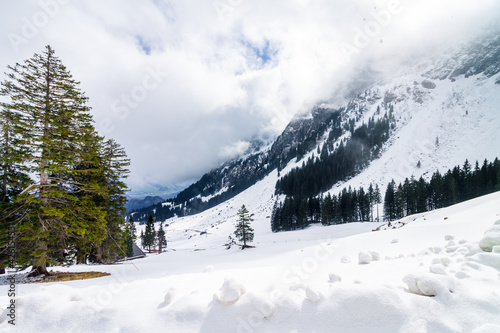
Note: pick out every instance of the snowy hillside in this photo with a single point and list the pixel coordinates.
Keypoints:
(439, 127)
(302, 281)
(444, 110)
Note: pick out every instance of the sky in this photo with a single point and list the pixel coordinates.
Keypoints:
(184, 85)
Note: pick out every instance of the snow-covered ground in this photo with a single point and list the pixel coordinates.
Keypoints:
(301, 281)
(311, 280)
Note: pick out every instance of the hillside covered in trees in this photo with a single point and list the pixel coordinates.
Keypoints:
(410, 197)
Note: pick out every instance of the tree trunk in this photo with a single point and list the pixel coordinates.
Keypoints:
(40, 262)
(98, 256)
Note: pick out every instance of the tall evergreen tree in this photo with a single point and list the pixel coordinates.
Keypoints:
(148, 238)
(244, 232)
(51, 111)
(115, 169)
(70, 200)
(162, 237)
(327, 210)
(390, 201)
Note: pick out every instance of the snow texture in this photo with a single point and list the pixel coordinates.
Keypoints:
(491, 238)
(364, 258)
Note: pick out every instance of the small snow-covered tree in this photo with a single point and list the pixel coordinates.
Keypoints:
(244, 232)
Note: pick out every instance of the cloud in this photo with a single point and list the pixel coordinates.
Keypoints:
(185, 84)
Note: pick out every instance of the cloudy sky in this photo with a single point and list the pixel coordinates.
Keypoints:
(186, 84)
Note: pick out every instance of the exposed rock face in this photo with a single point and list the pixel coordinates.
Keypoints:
(428, 84)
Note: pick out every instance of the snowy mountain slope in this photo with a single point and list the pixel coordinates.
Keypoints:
(294, 282)
(440, 128)
(445, 109)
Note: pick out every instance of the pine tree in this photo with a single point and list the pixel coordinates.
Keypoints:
(13, 177)
(162, 237)
(244, 232)
(74, 200)
(390, 201)
(148, 239)
(50, 114)
(133, 229)
(327, 210)
(128, 243)
(275, 217)
(115, 168)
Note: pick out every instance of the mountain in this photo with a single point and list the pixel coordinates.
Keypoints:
(134, 204)
(165, 191)
(432, 115)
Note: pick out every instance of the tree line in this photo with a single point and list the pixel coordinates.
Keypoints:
(350, 205)
(456, 185)
(409, 197)
(61, 184)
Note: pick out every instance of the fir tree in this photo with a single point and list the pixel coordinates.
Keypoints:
(148, 239)
(51, 114)
(244, 232)
(128, 242)
(390, 201)
(114, 164)
(143, 240)
(327, 210)
(133, 229)
(162, 237)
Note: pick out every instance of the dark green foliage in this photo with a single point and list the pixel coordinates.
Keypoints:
(148, 238)
(129, 237)
(244, 232)
(456, 185)
(410, 197)
(50, 149)
(162, 236)
(348, 206)
(128, 242)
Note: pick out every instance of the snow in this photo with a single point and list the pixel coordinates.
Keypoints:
(491, 238)
(364, 258)
(432, 276)
(463, 115)
(230, 291)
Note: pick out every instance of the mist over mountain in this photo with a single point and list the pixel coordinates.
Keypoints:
(448, 96)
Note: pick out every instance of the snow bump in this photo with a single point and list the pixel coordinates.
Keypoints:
(491, 238)
(230, 291)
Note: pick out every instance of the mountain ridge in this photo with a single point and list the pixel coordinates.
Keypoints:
(465, 82)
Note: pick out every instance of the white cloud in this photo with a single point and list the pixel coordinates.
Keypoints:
(218, 89)
(233, 150)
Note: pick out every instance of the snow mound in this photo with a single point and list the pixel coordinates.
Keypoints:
(345, 260)
(429, 284)
(169, 296)
(364, 258)
(208, 269)
(335, 278)
(491, 237)
(375, 255)
(230, 291)
(438, 269)
(312, 295)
